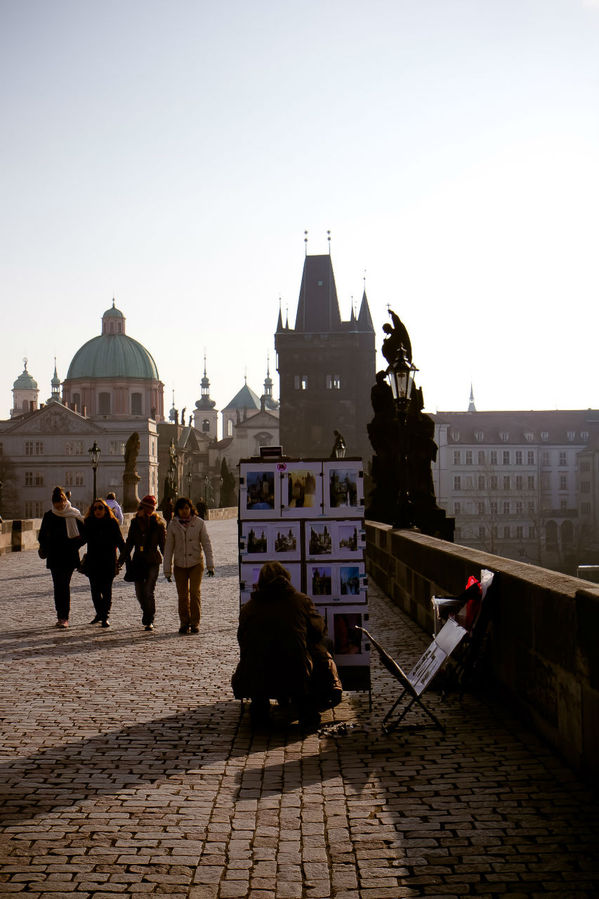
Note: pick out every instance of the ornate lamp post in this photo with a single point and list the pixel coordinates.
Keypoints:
(94, 455)
(400, 376)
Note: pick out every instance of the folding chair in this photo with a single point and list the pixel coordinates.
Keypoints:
(415, 683)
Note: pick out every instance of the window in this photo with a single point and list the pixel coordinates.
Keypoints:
(544, 458)
(544, 435)
(584, 435)
(504, 436)
(457, 482)
(518, 457)
(136, 404)
(229, 427)
(506, 457)
(518, 482)
(506, 508)
(481, 457)
(34, 508)
(457, 508)
(205, 426)
(585, 487)
(457, 457)
(29, 479)
(455, 435)
(531, 457)
(300, 382)
(585, 466)
(571, 435)
(529, 437)
(34, 479)
(481, 482)
(104, 404)
(34, 448)
(493, 482)
(531, 482)
(333, 382)
(519, 531)
(481, 508)
(493, 457)
(519, 508)
(563, 482)
(481, 531)
(563, 458)
(493, 505)
(563, 505)
(585, 508)
(506, 532)
(506, 482)
(117, 448)
(478, 435)
(77, 402)
(468, 457)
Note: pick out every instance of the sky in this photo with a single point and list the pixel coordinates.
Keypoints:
(171, 154)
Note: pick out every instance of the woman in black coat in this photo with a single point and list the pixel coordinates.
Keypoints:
(61, 534)
(104, 538)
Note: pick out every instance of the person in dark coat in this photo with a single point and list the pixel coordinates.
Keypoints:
(61, 534)
(280, 633)
(146, 538)
(104, 537)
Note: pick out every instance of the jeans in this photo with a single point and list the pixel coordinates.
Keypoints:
(101, 589)
(188, 582)
(144, 590)
(62, 594)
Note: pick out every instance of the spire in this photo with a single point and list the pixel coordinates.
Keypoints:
(205, 402)
(268, 379)
(318, 307)
(55, 382)
(364, 317)
(280, 318)
(471, 406)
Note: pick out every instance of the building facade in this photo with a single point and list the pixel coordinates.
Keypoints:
(326, 368)
(521, 484)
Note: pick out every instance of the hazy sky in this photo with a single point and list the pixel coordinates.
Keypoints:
(172, 153)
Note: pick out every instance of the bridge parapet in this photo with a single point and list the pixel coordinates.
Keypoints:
(542, 651)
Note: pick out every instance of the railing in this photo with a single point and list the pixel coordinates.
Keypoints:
(542, 653)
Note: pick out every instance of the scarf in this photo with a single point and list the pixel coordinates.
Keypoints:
(184, 522)
(71, 514)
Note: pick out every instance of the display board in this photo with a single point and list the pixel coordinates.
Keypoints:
(308, 514)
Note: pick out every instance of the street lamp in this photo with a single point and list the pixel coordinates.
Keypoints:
(94, 455)
(189, 482)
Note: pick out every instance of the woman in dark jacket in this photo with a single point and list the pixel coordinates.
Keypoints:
(280, 636)
(146, 538)
(104, 537)
(61, 534)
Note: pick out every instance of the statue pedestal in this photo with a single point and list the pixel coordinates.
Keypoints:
(130, 496)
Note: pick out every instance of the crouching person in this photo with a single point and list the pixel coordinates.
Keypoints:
(282, 647)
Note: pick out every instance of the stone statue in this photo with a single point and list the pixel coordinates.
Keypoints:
(397, 346)
(130, 475)
(338, 451)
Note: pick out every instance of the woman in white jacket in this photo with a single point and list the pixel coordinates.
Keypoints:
(188, 542)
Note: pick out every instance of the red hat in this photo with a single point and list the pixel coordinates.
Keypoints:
(149, 501)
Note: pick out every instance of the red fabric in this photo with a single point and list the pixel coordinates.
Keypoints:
(473, 604)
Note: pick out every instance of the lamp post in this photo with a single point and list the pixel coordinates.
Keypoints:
(94, 455)
(400, 375)
(189, 482)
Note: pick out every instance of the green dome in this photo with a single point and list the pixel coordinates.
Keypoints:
(25, 381)
(112, 356)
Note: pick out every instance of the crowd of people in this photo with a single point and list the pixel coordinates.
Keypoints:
(181, 548)
(284, 650)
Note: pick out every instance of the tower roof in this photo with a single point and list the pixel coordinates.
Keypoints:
(25, 381)
(245, 399)
(318, 307)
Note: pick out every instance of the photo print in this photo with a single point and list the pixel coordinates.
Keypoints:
(259, 495)
(286, 540)
(344, 489)
(253, 540)
(350, 646)
(250, 572)
(319, 582)
(302, 490)
(349, 580)
(349, 540)
(319, 539)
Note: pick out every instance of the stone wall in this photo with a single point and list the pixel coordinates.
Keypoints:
(543, 651)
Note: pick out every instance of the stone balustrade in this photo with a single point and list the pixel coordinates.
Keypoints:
(543, 648)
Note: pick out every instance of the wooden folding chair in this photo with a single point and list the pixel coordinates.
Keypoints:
(415, 683)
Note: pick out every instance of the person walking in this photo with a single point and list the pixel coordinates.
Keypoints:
(111, 502)
(104, 537)
(146, 539)
(61, 534)
(187, 541)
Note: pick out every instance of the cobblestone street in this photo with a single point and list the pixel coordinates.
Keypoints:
(126, 769)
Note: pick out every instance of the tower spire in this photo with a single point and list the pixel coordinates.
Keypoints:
(471, 406)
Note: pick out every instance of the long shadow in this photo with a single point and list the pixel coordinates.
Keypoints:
(144, 753)
(85, 638)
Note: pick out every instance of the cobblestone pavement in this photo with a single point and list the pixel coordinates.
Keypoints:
(127, 770)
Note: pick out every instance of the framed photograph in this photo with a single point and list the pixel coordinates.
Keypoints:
(318, 538)
(259, 490)
(301, 489)
(253, 541)
(350, 647)
(320, 582)
(337, 582)
(349, 539)
(352, 582)
(286, 540)
(343, 486)
(248, 576)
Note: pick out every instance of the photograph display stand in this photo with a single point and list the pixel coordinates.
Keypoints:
(415, 683)
(308, 514)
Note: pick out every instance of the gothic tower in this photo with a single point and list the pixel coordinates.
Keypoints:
(326, 368)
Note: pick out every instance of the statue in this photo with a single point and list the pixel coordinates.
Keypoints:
(338, 451)
(130, 475)
(171, 479)
(397, 347)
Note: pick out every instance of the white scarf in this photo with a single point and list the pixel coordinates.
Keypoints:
(71, 514)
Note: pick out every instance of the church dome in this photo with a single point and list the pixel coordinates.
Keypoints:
(113, 354)
(25, 381)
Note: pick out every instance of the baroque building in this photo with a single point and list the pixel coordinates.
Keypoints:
(326, 368)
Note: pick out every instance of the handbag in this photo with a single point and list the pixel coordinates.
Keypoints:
(83, 567)
(135, 570)
(326, 683)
